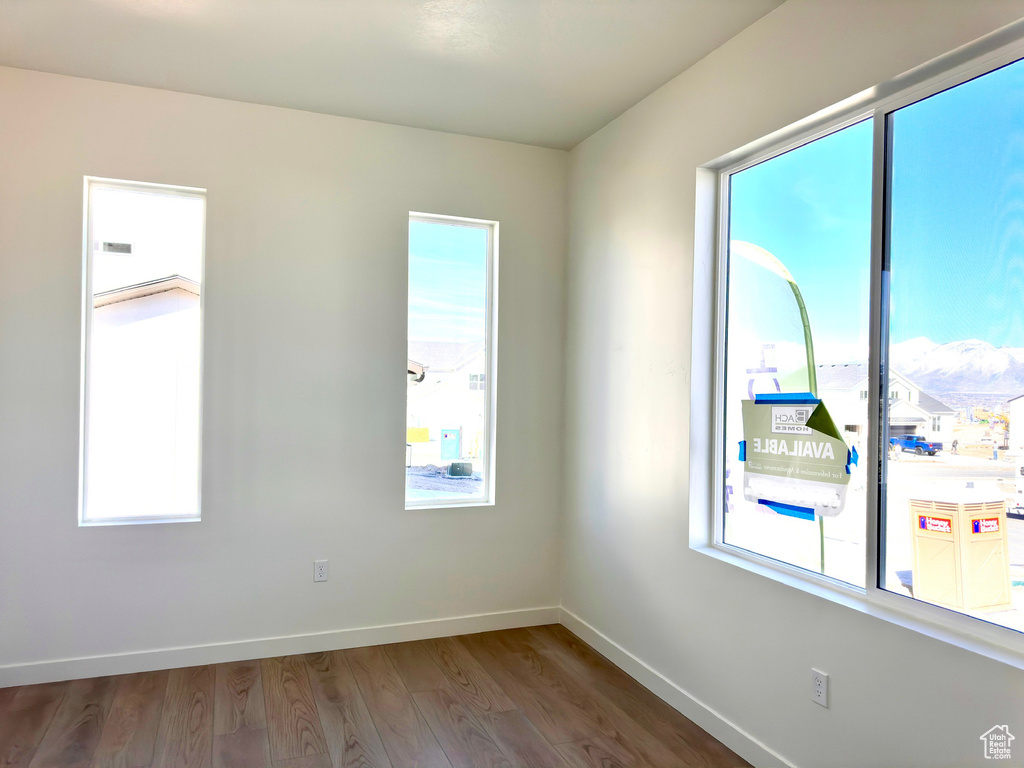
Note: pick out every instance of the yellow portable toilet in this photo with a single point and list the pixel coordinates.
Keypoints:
(961, 553)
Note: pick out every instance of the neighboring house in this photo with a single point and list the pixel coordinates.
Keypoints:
(416, 372)
(143, 398)
(844, 390)
(450, 394)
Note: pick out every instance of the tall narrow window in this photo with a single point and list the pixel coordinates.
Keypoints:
(143, 327)
(450, 406)
(797, 348)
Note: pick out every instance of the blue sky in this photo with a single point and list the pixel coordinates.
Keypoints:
(957, 213)
(447, 282)
(811, 208)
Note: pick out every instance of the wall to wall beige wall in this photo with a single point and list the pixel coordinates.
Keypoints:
(732, 648)
(303, 444)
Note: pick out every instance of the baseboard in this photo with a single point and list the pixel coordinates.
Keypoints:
(727, 732)
(216, 653)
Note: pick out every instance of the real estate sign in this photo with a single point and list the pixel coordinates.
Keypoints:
(795, 460)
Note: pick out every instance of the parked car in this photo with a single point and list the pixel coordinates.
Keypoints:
(915, 443)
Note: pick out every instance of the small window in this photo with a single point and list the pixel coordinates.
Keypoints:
(142, 353)
(450, 401)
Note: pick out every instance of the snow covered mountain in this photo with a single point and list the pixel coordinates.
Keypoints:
(960, 366)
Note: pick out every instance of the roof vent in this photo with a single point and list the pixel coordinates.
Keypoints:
(107, 247)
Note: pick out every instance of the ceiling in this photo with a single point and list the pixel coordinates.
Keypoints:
(545, 72)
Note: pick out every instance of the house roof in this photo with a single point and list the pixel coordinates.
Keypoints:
(416, 372)
(931, 405)
(848, 375)
(843, 376)
(147, 288)
(439, 356)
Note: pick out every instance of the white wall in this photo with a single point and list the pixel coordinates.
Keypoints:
(303, 446)
(741, 644)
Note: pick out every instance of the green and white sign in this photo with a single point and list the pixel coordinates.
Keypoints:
(795, 461)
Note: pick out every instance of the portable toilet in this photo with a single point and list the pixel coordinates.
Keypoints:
(961, 551)
(451, 444)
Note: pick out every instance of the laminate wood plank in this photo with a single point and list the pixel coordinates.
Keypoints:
(552, 682)
(75, 730)
(521, 742)
(687, 739)
(416, 666)
(476, 688)
(407, 738)
(26, 720)
(309, 761)
(292, 721)
(185, 737)
(242, 748)
(599, 752)
(536, 698)
(238, 698)
(6, 697)
(352, 738)
(129, 736)
(557, 720)
(466, 743)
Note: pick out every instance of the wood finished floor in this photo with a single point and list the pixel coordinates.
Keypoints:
(522, 698)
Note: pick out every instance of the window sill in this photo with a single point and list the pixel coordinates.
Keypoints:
(446, 504)
(988, 640)
(137, 521)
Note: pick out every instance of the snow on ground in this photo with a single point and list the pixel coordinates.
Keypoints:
(433, 478)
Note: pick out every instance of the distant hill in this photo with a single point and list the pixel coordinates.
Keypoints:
(960, 366)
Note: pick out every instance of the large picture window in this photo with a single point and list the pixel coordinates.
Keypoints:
(143, 330)
(870, 364)
(450, 402)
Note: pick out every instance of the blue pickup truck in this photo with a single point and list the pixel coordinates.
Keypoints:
(915, 443)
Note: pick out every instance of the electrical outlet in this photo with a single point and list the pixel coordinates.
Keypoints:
(319, 570)
(819, 687)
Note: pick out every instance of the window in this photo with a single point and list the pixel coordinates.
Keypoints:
(798, 261)
(142, 353)
(452, 326)
(954, 192)
(832, 245)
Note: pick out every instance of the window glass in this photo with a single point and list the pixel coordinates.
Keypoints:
(142, 364)
(448, 436)
(796, 355)
(952, 527)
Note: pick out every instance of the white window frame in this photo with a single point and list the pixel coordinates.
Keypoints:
(91, 184)
(490, 359)
(707, 399)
